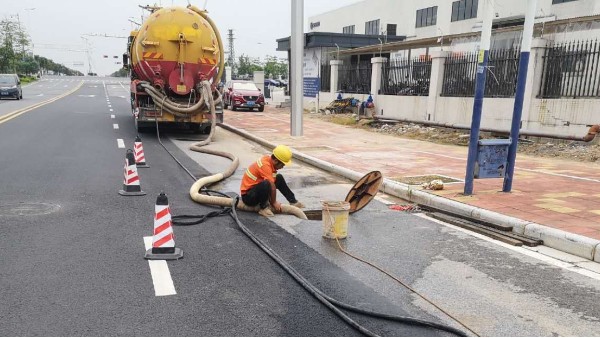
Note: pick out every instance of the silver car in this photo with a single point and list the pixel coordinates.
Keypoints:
(10, 86)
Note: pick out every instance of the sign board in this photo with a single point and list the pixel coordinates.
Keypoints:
(492, 157)
(311, 69)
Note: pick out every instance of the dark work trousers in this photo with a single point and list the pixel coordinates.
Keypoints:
(259, 194)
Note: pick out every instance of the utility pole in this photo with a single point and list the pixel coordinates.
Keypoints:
(520, 93)
(296, 78)
(89, 57)
(482, 63)
(231, 56)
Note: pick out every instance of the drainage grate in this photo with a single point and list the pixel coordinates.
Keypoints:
(420, 179)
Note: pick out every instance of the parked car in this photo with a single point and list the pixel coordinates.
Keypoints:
(243, 94)
(10, 86)
(271, 82)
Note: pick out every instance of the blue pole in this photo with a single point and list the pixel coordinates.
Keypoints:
(519, 94)
(516, 121)
(482, 62)
(476, 121)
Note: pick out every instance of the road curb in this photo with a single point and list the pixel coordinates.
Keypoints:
(574, 244)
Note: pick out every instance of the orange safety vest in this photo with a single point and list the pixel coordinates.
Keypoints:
(262, 169)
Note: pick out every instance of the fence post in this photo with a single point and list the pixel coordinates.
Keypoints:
(534, 81)
(335, 71)
(376, 72)
(436, 82)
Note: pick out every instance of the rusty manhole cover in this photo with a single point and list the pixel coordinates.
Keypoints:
(28, 209)
(420, 179)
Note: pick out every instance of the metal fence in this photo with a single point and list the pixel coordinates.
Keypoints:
(355, 78)
(325, 78)
(501, 78)
(571, 70)
(406, 77)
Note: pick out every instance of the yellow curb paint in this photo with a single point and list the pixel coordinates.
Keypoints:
(22, 111)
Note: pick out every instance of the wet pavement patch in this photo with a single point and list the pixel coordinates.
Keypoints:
(418, 180)
(28, 209)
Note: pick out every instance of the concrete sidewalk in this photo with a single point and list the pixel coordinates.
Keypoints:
(555, 200)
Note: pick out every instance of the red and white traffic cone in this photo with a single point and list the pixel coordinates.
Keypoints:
(163, 241)
(131, 182)
(138, 151)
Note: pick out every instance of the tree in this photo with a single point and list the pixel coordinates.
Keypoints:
(28, 66)
(275, 68)
(247, 66)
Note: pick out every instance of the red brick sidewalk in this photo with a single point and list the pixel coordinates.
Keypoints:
(557, 193)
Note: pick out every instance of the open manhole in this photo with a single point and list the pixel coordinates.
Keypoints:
(420, 179)
(358, 197)
(28, 209)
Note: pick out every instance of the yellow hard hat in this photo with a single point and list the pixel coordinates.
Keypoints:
(283, 154)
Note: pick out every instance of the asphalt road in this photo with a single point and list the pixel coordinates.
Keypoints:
(72, 261)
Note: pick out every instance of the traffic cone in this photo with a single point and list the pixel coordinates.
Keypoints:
(131, 182)
(138, 151)
(163, 241)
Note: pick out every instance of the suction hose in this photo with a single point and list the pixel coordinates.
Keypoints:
(200, 184)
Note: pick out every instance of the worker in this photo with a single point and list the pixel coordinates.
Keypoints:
(261, 182)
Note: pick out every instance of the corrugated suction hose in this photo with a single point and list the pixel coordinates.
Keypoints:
(202, 183)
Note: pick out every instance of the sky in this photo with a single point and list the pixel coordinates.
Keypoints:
(56, 27)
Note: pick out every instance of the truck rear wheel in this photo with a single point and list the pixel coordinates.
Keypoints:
(144, 128)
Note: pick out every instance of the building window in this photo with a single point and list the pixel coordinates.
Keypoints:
(426, 17)
(372, 27)
(348, 30)
(391, 30)
(466, 9)
(554, 2)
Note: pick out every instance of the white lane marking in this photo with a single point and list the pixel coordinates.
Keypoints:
(111, 109)
(522, 250)
(120, 143)
(115, 126)
(161, 276)
(112, 116)
(109, 106)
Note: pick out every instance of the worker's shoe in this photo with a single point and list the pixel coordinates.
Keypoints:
(266, 212)
(298, 204)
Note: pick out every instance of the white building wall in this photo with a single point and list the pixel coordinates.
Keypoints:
(403, 14)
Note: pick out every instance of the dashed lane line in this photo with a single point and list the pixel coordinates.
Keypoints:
(161, 276)
(115, 126)
(112, 116)
(120, 143)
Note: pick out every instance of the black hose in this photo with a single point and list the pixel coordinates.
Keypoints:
(331, 302)
(328, 301)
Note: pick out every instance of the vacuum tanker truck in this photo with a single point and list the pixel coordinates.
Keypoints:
(175, 60)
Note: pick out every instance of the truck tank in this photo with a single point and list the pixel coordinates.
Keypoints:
(175, 61)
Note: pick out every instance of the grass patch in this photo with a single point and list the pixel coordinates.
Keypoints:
(343, 120)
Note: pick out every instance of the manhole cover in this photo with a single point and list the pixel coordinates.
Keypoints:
(420, 179)
(28, 209)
